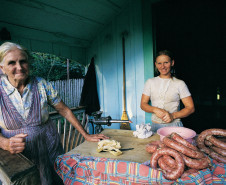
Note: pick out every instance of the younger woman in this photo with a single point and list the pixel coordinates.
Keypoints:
(165, 93)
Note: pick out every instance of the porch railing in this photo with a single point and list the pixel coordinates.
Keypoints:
(69, 91)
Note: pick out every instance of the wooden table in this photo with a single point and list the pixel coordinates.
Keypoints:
(126, 139)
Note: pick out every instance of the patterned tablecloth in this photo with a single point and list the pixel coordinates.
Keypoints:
(77, 170)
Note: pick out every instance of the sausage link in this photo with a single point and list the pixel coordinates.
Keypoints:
(216, 142)
(222, 139)
(153, 146)
(163, 165)
(207, 143)
(150, 148)
(181, 140)
(183, 149)
(198, 164)
(219, 150)
(189, 172)
(176, 173)
(169, 161)
(219, 158)
(158, 143)
(202, 136)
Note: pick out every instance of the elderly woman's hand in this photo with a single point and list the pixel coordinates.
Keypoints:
(15, 144)
(95, 137)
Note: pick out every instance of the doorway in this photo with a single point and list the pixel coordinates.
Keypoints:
(195, 31)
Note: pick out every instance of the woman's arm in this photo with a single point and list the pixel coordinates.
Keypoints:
(68, 114)
(3, 142)
(188, 109)
(148, 108)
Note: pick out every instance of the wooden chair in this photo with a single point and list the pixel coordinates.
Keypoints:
(70, 137)
(17, 169)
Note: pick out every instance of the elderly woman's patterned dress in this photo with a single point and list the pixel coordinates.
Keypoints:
(43, 141)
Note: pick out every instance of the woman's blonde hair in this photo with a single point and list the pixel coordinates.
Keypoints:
(10, 46)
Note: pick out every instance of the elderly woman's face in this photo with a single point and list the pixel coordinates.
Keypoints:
(16, 65)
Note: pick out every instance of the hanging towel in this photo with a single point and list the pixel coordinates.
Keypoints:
(89, 96)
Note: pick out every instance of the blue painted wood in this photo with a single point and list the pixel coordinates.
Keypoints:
(107, 48)
(148, 46)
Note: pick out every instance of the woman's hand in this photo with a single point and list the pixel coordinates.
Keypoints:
(168, 118)
(15, 144)
(160, 113)
(164, 115)
(95, 137)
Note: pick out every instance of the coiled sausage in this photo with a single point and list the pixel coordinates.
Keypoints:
(162, 164)
(202, 136)
(181, 140)
(150, 148)
(216, 142)
(183, 149)
(201, 143)
(219, 158)
(178, 171)
(215, 149)
(169, 161)
(219, 150)
(208, 143)
(198, 164)
(153, 146)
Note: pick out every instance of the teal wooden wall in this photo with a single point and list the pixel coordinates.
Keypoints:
(148, 45)
(107, 50)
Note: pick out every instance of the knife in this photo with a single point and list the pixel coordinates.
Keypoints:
(125, 149)
(122, 149)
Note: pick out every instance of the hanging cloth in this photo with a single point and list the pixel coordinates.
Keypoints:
(89, 96)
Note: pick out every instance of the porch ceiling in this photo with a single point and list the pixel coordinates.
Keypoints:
(69, 22)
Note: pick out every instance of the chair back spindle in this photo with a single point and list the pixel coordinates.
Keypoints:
(70, 137)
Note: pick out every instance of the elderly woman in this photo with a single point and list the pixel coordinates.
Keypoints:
(24, 119)
(165, 92)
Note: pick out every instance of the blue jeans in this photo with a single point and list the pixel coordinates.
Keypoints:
(156, 126)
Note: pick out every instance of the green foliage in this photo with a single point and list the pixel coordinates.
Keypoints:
(52, 67)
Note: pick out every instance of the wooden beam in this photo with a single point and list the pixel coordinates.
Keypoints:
(46, 36)
(55, 10)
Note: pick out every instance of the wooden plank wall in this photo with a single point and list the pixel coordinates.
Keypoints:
(107, 50)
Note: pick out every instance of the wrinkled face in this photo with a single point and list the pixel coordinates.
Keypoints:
(163, 63)
(16, 66)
